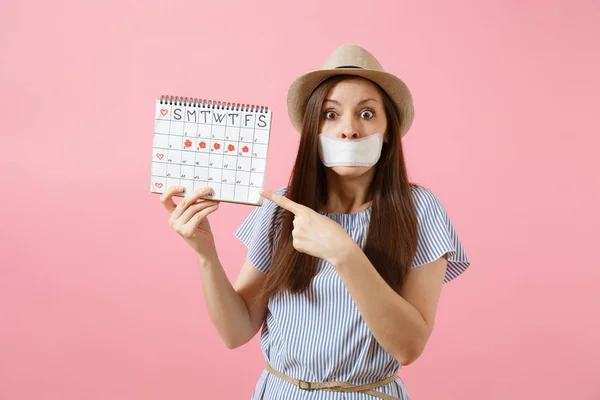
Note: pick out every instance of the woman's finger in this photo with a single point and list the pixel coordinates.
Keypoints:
(189, 229)
(188, 200)
(194, 209)
(166, 198)
(282, 201)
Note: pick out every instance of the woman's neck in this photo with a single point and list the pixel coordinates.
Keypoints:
(347, 195)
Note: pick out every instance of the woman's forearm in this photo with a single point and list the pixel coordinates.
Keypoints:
(228, 311)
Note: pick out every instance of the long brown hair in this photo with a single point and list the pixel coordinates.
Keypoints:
(392, 237)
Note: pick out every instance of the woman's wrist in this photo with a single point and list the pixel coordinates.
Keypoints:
(207, 259)
(345, 252)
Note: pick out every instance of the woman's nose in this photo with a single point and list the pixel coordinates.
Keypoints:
(348, 129)
(349, 135)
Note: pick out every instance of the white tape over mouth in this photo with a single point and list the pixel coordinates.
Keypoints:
(363, 152)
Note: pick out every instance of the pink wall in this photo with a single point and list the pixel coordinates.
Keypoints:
(99, 299)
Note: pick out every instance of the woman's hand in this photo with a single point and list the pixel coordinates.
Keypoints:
(189, 218)
(313, 233)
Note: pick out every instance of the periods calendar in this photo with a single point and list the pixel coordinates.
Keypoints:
(200, 143)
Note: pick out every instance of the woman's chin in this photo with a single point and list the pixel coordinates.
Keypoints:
(350, 171)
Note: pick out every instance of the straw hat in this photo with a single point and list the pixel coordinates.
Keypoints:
(352, 60)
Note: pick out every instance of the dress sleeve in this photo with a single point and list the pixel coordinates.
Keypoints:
(437, 235)
(260, 231)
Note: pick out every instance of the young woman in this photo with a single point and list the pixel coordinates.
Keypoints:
(346, 263)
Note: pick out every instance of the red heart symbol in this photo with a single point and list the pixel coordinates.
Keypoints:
(230, 147)
(202, 145)
(158, 185)
(245, 149)
(164, 111)
(217, 146)
(159, 156)
(188, 143)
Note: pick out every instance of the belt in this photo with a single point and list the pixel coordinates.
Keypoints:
(339, 386)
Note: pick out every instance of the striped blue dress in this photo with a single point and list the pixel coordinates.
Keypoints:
(326, 338)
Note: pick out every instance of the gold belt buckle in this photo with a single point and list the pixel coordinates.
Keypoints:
(307, 387)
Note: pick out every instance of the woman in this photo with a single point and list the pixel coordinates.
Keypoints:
(340, 310)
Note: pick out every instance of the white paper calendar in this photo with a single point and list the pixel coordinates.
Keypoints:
(200, 143)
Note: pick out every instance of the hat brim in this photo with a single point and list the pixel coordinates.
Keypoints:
(304, 85)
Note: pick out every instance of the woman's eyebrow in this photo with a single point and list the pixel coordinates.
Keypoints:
(359, 103)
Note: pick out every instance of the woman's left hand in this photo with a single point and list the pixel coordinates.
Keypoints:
(313, 233)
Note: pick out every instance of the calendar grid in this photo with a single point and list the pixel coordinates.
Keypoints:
(252, 150)
(237, 151)
(237, 148)
(199, 153)
(168, 145)
(230, 184)
(210, 146)
(220, 166)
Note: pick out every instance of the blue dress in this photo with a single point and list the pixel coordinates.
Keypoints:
(326, 338)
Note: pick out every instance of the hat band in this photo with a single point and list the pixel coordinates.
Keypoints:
(348, 66)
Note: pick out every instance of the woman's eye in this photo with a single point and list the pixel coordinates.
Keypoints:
(368, 114)
(330, 114)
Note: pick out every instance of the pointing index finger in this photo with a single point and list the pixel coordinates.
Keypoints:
(281, 201)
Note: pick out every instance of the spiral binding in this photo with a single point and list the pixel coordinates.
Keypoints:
(212, 104)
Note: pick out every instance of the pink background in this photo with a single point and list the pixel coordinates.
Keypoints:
(100, 299)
